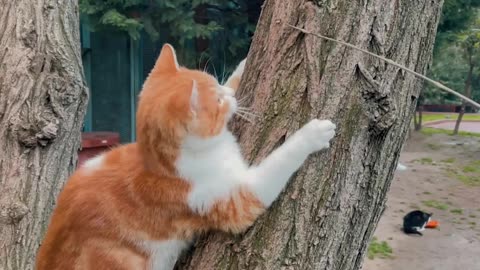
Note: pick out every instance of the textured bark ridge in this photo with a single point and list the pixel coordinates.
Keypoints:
(42, 102)
(326, 216)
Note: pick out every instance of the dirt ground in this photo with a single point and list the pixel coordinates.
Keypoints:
(442, 177)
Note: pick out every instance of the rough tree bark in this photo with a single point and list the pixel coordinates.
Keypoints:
(326, 216)
(42, 103)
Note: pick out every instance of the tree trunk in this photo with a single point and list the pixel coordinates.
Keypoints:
(468, 93)
(326, 216)
(419, 112)
(459, 118)
(42, 103)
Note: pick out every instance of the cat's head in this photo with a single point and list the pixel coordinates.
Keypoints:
(176, 102)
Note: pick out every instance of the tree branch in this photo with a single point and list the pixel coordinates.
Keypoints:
(437, 84)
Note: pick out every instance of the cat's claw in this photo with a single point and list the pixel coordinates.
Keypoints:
(318, 133)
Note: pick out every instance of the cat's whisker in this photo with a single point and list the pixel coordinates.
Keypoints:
(200, 62)
(215, 71)
(249, 115)
(223, 73)
(244, 117)
(242, 100)
(247, 112)
(206, 64)
(246, 108)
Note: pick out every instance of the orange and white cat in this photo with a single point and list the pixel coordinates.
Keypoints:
(139, 205)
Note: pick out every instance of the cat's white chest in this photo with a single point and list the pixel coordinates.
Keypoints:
(164, 254)
(214, 171)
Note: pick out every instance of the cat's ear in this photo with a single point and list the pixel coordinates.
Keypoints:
(167, 61)
(194, 98)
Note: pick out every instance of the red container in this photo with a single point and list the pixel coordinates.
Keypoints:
(95, 143)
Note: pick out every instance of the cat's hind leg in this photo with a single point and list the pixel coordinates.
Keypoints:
(99, 255)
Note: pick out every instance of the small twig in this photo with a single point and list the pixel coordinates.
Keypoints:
(437, 84)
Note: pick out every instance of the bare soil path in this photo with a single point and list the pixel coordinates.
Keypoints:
(443, 177)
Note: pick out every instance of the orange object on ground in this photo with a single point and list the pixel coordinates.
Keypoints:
(432, 224)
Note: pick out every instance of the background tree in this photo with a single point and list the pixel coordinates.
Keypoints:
(325, 218)
(417, 121)
(448, 65)
(42, 103)
(470, 44)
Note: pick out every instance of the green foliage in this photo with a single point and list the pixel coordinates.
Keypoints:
(180, 22)
(450, 68)
(457, 30)
(457, 15)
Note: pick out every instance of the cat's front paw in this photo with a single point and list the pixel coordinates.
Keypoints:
(318, 133)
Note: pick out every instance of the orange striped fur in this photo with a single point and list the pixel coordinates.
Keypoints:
(139, 205)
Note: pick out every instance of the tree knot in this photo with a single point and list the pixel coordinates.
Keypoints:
(12, 212)
(378, 104)
(42, 133)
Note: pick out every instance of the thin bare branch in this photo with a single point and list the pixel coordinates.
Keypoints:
(437, 84)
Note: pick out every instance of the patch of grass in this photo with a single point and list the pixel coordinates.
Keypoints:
(427, 192)
(457, 211)
(435, 204)
(430, 131)
(468, 178)
(470, 169)
(472, 223)
(448, 160)
(379, 249)
(472, 216)
(429, 117)
(434, 146)
(425, 160)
